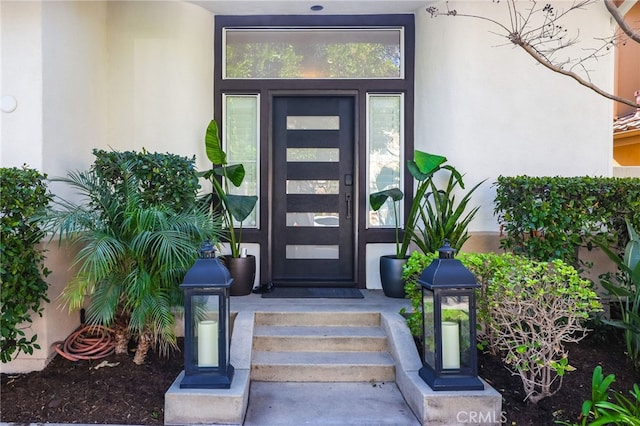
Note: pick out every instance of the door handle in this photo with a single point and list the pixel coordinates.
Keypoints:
(348, 198)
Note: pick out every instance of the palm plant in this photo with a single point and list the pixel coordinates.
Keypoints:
(131, 260)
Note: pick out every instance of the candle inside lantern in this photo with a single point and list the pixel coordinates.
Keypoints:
(208, 344)
(450, 345)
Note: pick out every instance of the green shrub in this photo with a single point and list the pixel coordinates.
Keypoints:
(534, 309)
(482, 265)
(546, 218)
(23, 194)
(527, 310)
(168, 180)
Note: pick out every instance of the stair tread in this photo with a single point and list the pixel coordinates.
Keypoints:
(318, 331)
(322, 358)
(336, 319)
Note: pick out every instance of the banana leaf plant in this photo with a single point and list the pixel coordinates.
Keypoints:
(423, 168)
(232, 206)
(626, 288)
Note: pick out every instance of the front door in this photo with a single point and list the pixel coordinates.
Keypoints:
(312, 235)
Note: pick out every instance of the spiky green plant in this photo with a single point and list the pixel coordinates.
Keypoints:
(131, 259)
(443, 217)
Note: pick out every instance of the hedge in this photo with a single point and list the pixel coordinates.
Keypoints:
(165, 179)
(23, 195)
(546, 218)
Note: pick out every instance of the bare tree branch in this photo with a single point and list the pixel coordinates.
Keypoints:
(544, 38)
(624, 26)
(575, 76)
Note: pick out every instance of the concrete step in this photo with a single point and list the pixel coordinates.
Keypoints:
(315, 339)
(271, 366)
(320, 347)
(329, 319)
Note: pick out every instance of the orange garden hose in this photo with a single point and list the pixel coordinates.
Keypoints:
(87, 343)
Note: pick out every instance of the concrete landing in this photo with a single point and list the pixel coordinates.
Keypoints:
(283, 404)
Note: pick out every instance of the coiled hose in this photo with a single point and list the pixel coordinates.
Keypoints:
(87, 343)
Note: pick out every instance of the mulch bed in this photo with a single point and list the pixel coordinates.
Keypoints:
(77, 392)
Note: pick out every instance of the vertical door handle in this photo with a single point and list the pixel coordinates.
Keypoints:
(348, 198)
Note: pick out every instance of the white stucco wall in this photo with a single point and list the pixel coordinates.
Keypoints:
(74, 89)
(160, 77)
(21, 78)
(491, 110)
(123, 75)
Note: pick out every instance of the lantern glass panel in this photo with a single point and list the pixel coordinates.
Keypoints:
(428, 312)
(206, 323)
(456, 334)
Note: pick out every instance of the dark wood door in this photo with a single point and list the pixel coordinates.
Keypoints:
(313, 191)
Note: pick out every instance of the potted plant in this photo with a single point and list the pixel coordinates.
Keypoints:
(234, 208)
(423, 168)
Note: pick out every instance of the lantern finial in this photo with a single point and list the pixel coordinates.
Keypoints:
(446, 251)
(206, 250)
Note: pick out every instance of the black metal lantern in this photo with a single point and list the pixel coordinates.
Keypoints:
(206, 289)
(450, 359)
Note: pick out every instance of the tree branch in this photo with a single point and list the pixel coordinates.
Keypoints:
(542, 41)
(624, 26)
(535, 55)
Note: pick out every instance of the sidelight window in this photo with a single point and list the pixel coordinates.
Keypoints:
(385, 142)
(241, 143)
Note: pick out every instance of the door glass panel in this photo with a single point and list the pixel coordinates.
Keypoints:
(313, 53)
(384, 142)
(312, 219)
(313, 187)
(312, 251)
(241, 143)
(308, 155)
(313, 122)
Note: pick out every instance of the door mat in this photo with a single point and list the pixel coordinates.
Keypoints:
(313, 293)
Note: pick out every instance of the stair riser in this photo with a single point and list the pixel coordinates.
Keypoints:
(322, 373)
(319, 344)
(330, 319)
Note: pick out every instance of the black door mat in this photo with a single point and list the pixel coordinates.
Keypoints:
(313, 293)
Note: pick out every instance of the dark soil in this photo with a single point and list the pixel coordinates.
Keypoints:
(76, 392)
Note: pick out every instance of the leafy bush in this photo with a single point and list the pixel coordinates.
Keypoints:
(527, 310)
(164, 179)
(536, 307)
(23, 194)
(482, 265)
(546, 218)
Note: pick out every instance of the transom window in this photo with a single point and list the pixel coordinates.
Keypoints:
(313, 53)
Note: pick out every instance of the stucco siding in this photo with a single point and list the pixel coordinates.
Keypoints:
(492, 110)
